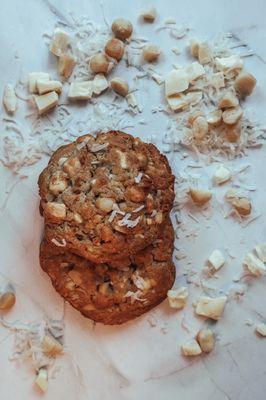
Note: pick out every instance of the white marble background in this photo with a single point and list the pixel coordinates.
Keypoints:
(136, 360)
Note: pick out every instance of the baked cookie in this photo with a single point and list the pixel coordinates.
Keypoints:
(113, 294)
(106, 197)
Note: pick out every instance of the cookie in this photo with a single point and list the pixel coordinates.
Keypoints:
(106, 197)
(113, 293)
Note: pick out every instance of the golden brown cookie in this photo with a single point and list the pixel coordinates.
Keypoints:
(106, 197)
(113, 293)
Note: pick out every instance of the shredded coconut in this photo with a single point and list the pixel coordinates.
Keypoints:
(138, 177)
(28, 340)
(127, 222)
(57, 243)
(134, 296)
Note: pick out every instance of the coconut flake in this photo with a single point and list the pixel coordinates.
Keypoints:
(138, 177)
(57, 243)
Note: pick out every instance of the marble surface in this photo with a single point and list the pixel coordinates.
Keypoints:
(142, 358)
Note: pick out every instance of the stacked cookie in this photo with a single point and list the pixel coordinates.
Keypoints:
(108, 239)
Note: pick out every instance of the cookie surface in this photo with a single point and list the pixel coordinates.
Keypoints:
(106, 197)
(113, 293)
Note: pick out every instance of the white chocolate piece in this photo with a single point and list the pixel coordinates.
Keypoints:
(61, 42)
(194, 47)
(200, 127)
(204, 53)
(44, 86)
(10, 98)
(254, 264)
(99, 84)
(46, 102)
(51, 346)
(233, 62)
(191, 348)
(206, 340)
(180, 101)
(32, 80)
(221, 175)
(177, 297)
(261, 251)
(66, 65)
(211, 307)
(261, 329)
(80, 90)
(131, 100)
(42, 379)
(195, 71)
(216, 259)
(176, 82)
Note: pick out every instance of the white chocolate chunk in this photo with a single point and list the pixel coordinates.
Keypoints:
(261, 329)
(194, 47)
(66, 65)
(204, 53)
(233, 62)
(46, 102)
(205, 338)
(180, 101)
(221, 175)
(177, 297)
(211, 307)
(56, 210)
(32, 80)
(51, 346)
(61, 42)
(177, 102)
(99, 84)
(254, 264)
(191, 348)
(216, 259)
(44, 86)
(10, 98)
(80, 90)
(261, 251)
(176, 82)
(131, 100)
(195, 71)
(200, 127)
(42, 379)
